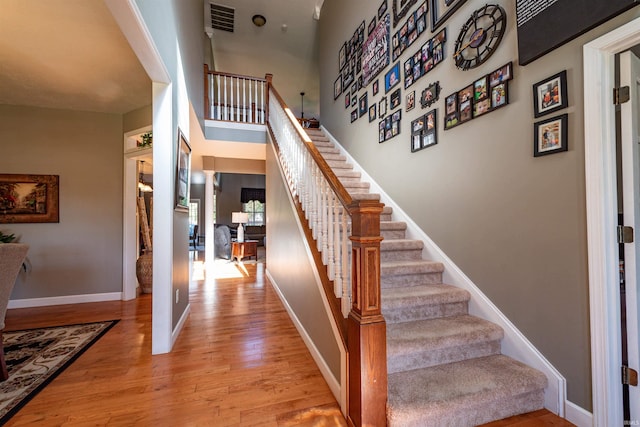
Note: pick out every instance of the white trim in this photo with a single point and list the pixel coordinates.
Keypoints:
(339, 392)
(333, 383)
(67, 299)
(601, 197)
(514, 344)
(132, 25)
(235, 125)
(578, 416)
(178, 329)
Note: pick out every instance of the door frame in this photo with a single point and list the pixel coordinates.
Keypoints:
(602, 207)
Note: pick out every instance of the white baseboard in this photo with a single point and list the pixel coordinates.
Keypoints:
(514, 344)
(578, 416)
(180, 325)
(333, 383)
(67, 299)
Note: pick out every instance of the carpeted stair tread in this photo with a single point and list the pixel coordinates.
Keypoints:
(389, 268)
(346, 173)
(429, 301)
(360, 195)
(337, 164)
(393, 225)
(355, 184)
(465, 393)
(400, 249)
(430, 342)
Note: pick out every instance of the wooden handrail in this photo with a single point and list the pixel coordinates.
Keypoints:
(366, 327)
(337, 187)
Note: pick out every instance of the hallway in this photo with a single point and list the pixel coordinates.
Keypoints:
(238, 361)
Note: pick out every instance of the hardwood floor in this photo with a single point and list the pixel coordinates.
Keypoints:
(238, 362)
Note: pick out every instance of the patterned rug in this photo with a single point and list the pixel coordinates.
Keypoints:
(36, 356)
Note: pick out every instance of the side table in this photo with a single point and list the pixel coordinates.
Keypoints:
(246, 249)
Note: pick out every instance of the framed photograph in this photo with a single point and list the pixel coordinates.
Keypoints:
(347, 99)
(501, 75)
(375, 88)
(382, 107)
(354, 99)
(400, 9)
(337, 87)
(342, 57)
(372, 112)
(465, 103)
(441, 10)
(452, 116)
(354, 88)
(550, 136)
(363, 103)
(29, 198)
(411, 100)
(430, 95)
(372, 26)
(392, 78)
(394, 99)
(499, 96)
(354, 115)
(183, 173)
(382, 9)
(429, 135)
(416, 142)
(550, 94)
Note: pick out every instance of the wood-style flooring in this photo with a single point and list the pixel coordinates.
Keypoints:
(238, 362)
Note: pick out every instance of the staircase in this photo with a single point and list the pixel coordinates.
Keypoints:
(445, 367)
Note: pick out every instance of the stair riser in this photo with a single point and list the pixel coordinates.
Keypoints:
(401, 255)
(334, 157)
(336, 164)
(393, 234)
(424, 311)
(385, 217)
(399, 280)
(346, 174)
(432, 357)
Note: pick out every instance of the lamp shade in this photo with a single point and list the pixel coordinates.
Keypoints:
(239, 217)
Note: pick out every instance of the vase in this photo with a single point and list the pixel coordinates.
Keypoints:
(144, 272)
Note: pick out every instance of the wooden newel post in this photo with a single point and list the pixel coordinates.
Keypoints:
(366, 328)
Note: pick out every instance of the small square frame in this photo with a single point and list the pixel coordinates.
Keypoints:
(550, 136)
(550, 94)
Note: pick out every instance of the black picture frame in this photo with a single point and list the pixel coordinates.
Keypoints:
(550, 136)
(372, 112)
(363, 104)
(342, 56)
(392, 77)
(183, 173)
(395, 99)
(424, 131)
(372, 26)
(354, 115)
(499, 95)
(441, 10)
(430, 94)
(337, 87)
(550, 94)
(375, 88)
(465, 104)
(411, 100)
(347, 99)
(382, 9)
(481, 99)
(451, 117)
(400, 9)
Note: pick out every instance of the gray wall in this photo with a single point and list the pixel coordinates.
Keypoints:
(289, 265)
(176, 29)
(82, 254)
(228, 195)
(515, 224)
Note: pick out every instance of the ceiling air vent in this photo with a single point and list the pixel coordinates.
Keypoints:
(222, 17)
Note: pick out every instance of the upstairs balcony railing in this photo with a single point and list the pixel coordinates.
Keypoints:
(344, 233)
(235, 98)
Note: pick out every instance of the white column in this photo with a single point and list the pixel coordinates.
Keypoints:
(209, 255)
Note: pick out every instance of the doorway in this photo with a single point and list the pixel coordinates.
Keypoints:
(602, 220)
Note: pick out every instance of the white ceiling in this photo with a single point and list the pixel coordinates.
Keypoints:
(68, 54)
(71, 54)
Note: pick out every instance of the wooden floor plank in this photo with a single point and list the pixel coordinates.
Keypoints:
(239, 361)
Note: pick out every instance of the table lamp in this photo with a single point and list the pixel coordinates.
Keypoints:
(240, 218)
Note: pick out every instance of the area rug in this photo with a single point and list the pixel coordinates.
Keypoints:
(36, 356)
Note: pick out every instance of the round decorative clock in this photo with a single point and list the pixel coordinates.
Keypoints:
(480, 36)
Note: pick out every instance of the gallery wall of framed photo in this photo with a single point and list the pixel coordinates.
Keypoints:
(379, 75)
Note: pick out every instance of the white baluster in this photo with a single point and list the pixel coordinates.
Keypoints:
(346, 267)
(330, 246)
(337, 257)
